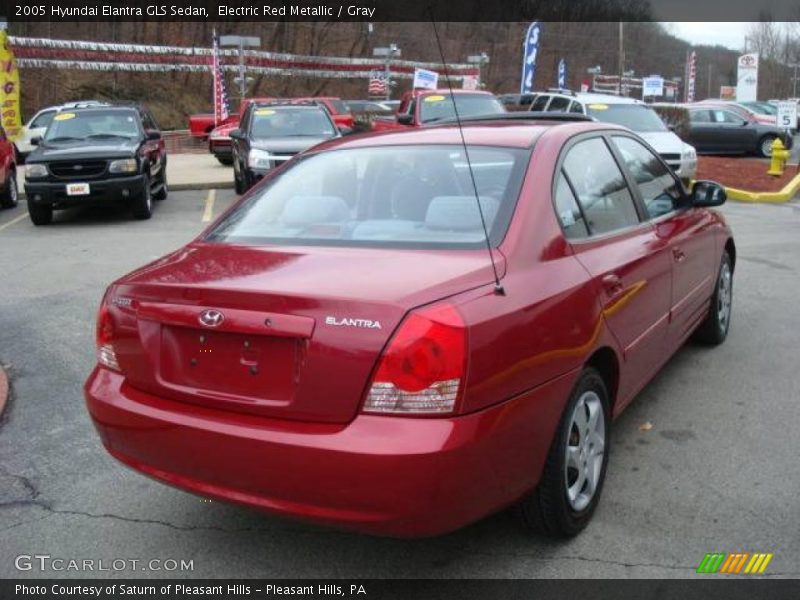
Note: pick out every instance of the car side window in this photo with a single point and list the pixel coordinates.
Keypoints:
(567, 210)
(700, 116)
(576, 107)
(602, 191)
(540, 103)
(724, 116)
(43, 119)
(659, 189)
(558, 104)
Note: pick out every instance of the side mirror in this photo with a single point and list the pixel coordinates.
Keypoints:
(745, 123)
(345, 130)
(708, 193)
(36, 140)
(405, 119)
(237, 134)
(152, 134)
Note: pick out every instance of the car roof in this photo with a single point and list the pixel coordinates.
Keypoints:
(606, 98)
(510, 134)
(455, 91)
(96, 108)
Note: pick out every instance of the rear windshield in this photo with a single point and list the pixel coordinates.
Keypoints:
(393, 196)
(95, 123)
(633, 116)
(287, 122)
(439, 106)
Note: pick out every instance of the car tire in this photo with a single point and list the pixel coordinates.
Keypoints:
(163, 191)
(40, 214)
(142, 207)
(225, 161)
(714, 329)
(10, 196)
(239, 185)
(765, 145)
(572, 480)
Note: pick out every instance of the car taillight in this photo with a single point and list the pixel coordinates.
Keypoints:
(422, 369)
(106, 355)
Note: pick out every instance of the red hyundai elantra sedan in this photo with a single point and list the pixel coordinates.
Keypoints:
(336, 346)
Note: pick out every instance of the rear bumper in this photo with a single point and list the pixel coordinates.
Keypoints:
(392, 476)
(221, 149)
(116, 189)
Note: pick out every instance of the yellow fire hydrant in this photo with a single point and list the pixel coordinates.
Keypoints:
(779, 157)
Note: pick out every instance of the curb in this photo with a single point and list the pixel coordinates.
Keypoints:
(787, 193)
(3, 390)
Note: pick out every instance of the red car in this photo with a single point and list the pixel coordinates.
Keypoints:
(9, 194)
(341, 347)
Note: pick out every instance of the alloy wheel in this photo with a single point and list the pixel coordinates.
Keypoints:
(724, 296)
(586, 444)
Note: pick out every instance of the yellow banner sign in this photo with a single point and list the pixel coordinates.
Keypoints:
(9, 90)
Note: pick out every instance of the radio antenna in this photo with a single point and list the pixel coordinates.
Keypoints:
(498, 287)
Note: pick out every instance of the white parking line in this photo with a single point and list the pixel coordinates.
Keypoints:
(208, 213)
(16, 219)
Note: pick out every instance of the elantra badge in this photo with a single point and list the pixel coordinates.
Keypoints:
(363, 323)
(211, 318)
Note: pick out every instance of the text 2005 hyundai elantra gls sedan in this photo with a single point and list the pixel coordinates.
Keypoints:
(336, 348)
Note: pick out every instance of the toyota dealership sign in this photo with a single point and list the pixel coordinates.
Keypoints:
(747, 78)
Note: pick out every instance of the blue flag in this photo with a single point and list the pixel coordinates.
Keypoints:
(562, 74)
(529, 58)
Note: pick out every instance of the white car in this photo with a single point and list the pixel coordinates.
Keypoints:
(628, 112)
(38, 124)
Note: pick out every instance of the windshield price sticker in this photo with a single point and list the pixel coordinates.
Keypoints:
(598, 106)
(261, 112)
(434, 98)
(64, 116)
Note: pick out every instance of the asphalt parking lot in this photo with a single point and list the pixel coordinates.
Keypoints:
(717, 471)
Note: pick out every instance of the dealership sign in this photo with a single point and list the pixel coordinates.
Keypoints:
(653, 86)
(747, 78)
(425, 79)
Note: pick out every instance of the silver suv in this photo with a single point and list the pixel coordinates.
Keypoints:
(628, 112)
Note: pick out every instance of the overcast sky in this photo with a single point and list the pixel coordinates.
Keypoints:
(730, 34)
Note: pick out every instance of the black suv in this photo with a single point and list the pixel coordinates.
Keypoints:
(270, 133)
(97, 155)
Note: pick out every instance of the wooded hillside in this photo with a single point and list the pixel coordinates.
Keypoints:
(648, 49)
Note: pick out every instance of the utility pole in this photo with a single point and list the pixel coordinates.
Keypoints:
(794, 79)
(241, 42)
(479, 60)
(621, 59)
(708, 95)
(388, 53)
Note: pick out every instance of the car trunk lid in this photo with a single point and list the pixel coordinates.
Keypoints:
(283, 333)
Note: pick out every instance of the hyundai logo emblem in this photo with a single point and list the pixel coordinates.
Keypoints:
(211, 318)
(78, 167)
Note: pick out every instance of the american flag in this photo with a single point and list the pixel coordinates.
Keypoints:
(221, 108)
(377, 84)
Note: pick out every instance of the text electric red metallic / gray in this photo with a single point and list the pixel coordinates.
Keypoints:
(335, 348)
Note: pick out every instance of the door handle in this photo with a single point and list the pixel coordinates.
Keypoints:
(612, 284)
(678, 254)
